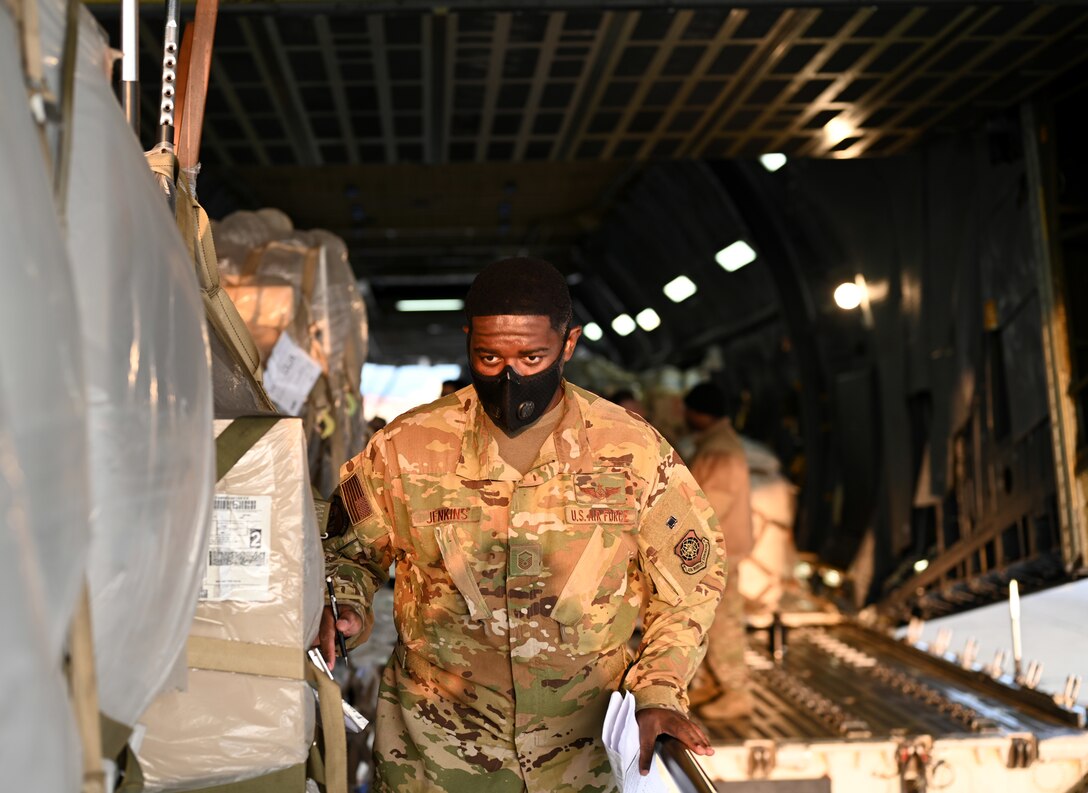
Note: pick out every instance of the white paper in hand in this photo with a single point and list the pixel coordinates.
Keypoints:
(621, 744)
(289, 375)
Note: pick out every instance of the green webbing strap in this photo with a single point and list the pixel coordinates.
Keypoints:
(114, 735)
(129, 765)
(289, 780)
(227, 655)
(239, 437)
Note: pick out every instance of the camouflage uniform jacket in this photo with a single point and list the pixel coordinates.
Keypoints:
(516, 596)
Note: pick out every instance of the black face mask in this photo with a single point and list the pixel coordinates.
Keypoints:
(515, 401)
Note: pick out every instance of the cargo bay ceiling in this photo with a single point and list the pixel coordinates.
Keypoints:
(435, 138)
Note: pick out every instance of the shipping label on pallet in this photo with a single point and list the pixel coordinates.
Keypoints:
(238, 552)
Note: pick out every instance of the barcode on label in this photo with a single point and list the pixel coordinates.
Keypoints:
(225, 502)
(240, 558)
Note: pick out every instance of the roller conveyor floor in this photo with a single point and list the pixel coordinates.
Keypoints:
(857, 710)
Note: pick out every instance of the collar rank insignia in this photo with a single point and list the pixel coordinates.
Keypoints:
(693, 551)
(599, 491)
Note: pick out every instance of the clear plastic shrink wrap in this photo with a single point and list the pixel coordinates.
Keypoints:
(301, 283)
(264, 586)
(43, 491)
(149, 404)
(38, 749)
(41, 376)
(766, 571)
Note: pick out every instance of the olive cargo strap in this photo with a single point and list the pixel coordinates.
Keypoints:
(83, 690)
(239, 437)
(227, 655)
(334, 737)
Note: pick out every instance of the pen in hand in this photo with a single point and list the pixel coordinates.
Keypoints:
(336, 618)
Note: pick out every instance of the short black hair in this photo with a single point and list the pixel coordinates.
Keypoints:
(623, 395)
(520, 285)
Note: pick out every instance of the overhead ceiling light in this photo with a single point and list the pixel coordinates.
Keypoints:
(837, 130)
(921, 565)
(441, 304)
(648, 319)
(848, 295)
(773, 161)
(733, 257)
(680, 288)
(623, 325)
(832, 578)
(592, 331)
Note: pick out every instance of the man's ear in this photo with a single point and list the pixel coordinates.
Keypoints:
(572, 342)
(465, 329)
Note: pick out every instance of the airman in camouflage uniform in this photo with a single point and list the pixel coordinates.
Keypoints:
(516, 595)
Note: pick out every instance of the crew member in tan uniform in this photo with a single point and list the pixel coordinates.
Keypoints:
(525, 517)
(720, 466)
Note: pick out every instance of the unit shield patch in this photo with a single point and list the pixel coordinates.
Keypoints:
(693, 551)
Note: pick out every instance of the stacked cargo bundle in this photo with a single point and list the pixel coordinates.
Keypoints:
(298, 295)
(247, 712)
(149, 401)
(110, 516)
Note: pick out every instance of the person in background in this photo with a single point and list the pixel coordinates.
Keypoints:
(526, 518)
(450, 386)
(627, 400)
(720, 466)
(376, 423)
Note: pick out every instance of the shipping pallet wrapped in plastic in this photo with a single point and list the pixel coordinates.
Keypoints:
(323, 317)
(247, 711)
(43, 490)
(767, 571)
(149, 406)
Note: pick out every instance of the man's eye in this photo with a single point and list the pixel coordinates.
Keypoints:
(489, 359)
(533, 360)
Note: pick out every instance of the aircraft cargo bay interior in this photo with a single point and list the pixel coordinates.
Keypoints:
(543, 397)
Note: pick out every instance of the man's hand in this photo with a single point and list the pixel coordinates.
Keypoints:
(349, 624)
(653, 722)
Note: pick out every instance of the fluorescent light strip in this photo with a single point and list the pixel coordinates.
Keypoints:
(648, 319)
(733, 257)
(446, 304)
(680, 289)
(773, 161)
(624, 325)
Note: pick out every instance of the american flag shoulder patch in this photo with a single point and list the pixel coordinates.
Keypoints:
(353, 494)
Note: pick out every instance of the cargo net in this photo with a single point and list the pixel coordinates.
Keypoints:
(297, 294)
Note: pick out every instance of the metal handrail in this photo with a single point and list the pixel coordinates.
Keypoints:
(683, 767)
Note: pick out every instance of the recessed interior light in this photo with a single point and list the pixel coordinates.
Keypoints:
(680, 289)
(848, 296)
(648, 319)
(440, 304)
(592, 331)
(733, 257)
(623, 325)
(773, 161)
(837, 130)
